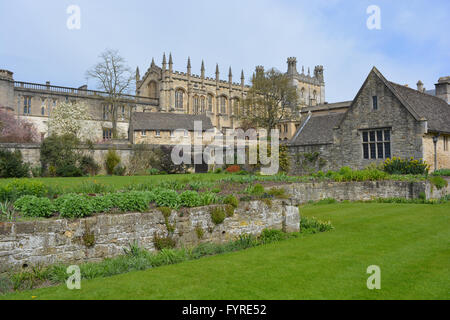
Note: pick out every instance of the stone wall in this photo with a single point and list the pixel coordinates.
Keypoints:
(367, 190)
(24, 244)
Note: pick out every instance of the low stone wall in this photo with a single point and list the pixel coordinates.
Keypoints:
(24, 244)
(367, 190)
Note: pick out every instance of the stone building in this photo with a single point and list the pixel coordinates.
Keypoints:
(170, 129)
(220, 100)
(34, 102)
(384, 120)
(162, 90)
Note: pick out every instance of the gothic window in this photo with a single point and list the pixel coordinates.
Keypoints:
(196, 104)
(27, 105)
(445, 143)
(376, 144)
(223, 105)
(210, 103)
(143, 133)
(179, 99)
(236, 106)
(153, 89)
(202, 105)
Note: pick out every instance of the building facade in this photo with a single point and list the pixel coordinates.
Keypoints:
(161, 89)
(384, 120)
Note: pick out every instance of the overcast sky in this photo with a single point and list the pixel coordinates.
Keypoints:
(413, 42)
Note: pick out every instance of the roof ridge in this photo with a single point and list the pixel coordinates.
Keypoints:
(416, 91)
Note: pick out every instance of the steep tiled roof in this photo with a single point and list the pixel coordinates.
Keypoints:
(168, 121)
(317, 129)
(328, 106)
(435, 110)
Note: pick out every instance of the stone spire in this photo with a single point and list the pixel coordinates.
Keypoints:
(230, 75)
(242, 78)
(303, 69)
(202, 69)
(170, 62)
(189, 69)
(153, 63)
(309, 72)
(138, 75)
(164, 63)
(217, 72)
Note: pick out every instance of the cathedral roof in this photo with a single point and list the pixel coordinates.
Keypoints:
(168, 121)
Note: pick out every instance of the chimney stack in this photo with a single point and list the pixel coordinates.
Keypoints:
(420, 86)
(443, 89)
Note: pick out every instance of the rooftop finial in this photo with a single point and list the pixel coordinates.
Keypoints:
(203, 66)
(153, 63)
(189, 62)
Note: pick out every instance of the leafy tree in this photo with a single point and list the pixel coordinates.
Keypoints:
(60, 152)
(11, 165)
(270, 100)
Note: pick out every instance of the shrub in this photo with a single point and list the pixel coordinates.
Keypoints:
(119, 170)
(68, 170)
(269, 236)
(313, 225)
(278, 193)
(256, 190)
(162, 160)
(208, 198)
(231, 200)
(7, 210)
(88, 166)
(439, 182)
(11, 165)
(153, 171)
(164, 242)
(218, 170)
(190, 199)
(199, 231)
(112, 159)
(405, 166)
(167, 198)
(32, 206)
(229, 210)
(442, 172)
(166, 212)
(101, 204)
(74, 206)
(130, 201)
(36, 172)
(60, 151)
(218, 215)
(18, 188)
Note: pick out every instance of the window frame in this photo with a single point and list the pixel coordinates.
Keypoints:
(375, 105)
(374, 147)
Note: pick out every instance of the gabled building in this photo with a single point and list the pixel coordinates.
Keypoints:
(384, 120)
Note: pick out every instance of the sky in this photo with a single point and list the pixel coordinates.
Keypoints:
(413, 42)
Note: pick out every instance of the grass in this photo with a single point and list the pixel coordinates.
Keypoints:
(409, 242)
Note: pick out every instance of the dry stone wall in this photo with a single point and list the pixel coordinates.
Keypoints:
(44, 242)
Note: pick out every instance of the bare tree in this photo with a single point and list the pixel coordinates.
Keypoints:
(271, 100)
(115, 78)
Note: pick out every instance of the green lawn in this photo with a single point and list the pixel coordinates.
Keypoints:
(118, 181)
(409, 242)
